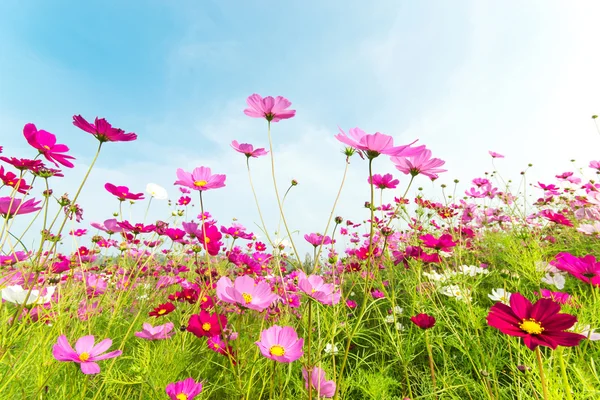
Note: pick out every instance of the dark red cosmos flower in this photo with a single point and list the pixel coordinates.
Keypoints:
(586, 269)
(539, 324)
(102, 130)
(122, 192)
(205, 324)
(162, 309)
(423, 321)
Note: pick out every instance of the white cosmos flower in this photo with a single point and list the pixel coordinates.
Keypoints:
(156, 191)
(329, 348)
(389, 318)
(398, 310)
(16, 294)
(500, 295)
(557, 279)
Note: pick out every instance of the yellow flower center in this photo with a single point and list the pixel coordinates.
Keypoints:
(247, 297)
(204, 299)
(46, 147)
(206, 240)
(84, 357)
(181, 396)
(206, 326)
(531, 326)
(277, 350)
(200, 183)
(161, 312)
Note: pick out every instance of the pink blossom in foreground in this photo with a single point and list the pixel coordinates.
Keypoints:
(269, 108)
(200, 179)
(375, 144)
(420, 164)
(280, 344)
(186, 389)
(85, 353)
(248, 149)
(45, 143)
(122, 192)
(323, 387)
(102, 130)
(9, 206)
(586, 269)
(245, 292)
(314, 286)
(158, 332)
(386, 181)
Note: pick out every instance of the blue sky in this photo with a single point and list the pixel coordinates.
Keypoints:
(464, 77)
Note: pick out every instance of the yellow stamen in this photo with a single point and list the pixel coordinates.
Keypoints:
(206, 326)
(277, 350)
(181, 396)
(247, 297)
(531, 326)
(161, 312)
(84, 357)
(200, 183)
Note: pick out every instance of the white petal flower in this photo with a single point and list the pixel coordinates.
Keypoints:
(16, 294)
(557, 279)
(329, 348)
(500, 295)
(156, 191)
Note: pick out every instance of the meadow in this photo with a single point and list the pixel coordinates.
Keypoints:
(482, 294)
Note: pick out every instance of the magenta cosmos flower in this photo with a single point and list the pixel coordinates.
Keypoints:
(45, 143)
(539, 324)
(420, 164)
(315, 287)
(280, 344)
(323, 387)
(248, 149)
(10, 206)
(200, 179)
(150, 332)
(85, 352)
(423, 321)
(375, 144)
(269, 108)
(316, 239)
(186, 389)
(586, 269)
(102, 130)
(122, 192)
(245, 292)
(386, 181)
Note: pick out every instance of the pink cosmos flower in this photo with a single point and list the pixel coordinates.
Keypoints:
(495, 155)
(102, 130)
(316, 239)
(45, 143)
(586, 269)
(386, 181)
(11, 179)
(248, 149)
(323, 387)
(269, 108)
(122, 192)
(423, 321)
(315, 287)
(421, 163)
(186, 389)
(443, 243)
(557, 218)
(9, 206)
(375, 144)
(209, 236)
(206, 324)
(280, 344)
(595, 165)
(158, 332)
(245, 292)
(539, 324)
(200, 179)
(85, 353)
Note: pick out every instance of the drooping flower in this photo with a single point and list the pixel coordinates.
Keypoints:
(539, 324)
(16, 294)
(186, 389)
(162, 309)
(200, 179)
(85, 353)
(206, 324)
(280, 344)
(423, 321)
(495, 155)
(375, 144)
(156, 192)
(122, 192)
(315, 287)
(102, 130)
(245, 292)
(158, 332)
(10, 206)
(269, 108)
(386, 181)
(45, 143)
(586, 269)
(419, 164)
(323, 387)
(248, 149)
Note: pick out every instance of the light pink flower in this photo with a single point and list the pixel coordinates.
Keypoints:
(323, 387)
(248, 149)
(245, 292)
(200, 179)
(269, 108)
(280, 344)
(85, 353)
(156, 332)
(315, 287)
(421, 163)
(375, 144)
(495, 155)
(10, 206)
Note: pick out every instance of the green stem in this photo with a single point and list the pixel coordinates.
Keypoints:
(262, 221)
(538, 353)
(308, 364)
(431, 365)
(563, 371)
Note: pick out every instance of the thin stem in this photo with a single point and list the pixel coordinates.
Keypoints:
(262, 221)
(538, 353)
(431, 365)
(563, 371)
(308, 364)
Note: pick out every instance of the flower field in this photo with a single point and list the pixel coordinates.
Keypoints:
(476, 295)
